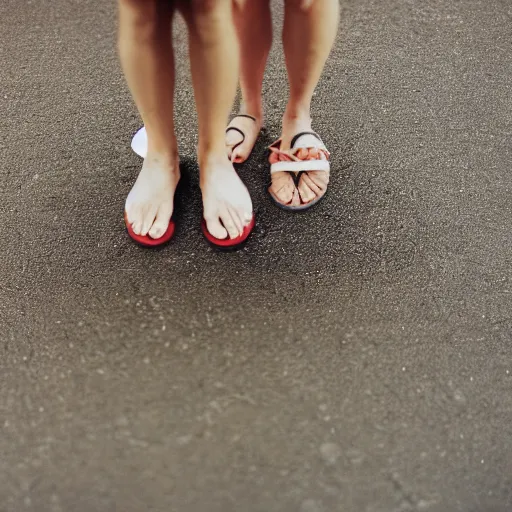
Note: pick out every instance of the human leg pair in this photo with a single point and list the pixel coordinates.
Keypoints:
(145, 47)
(309, 31)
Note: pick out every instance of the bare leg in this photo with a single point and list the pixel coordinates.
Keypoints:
(145, 49)
(214, 63)
(310, 28)
(254, 28)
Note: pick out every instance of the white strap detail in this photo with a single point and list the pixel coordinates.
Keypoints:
(303, 165)
(309, 141)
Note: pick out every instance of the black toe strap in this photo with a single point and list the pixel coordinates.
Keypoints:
(234, 128)
(229, 128)
(238, 130)
(245, 115)
(299, 135)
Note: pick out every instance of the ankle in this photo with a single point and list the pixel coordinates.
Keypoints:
(253, 108)
(208, 155)
(166, 159)
(165, 156)
(297, 112)
(209, 158)
(165, 149)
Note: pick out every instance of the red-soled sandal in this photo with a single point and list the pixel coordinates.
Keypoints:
(147, 241)
(229, 244)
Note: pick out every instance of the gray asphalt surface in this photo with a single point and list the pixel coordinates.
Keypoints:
(354, 358)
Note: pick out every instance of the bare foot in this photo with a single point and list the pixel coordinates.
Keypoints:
(227, 206)
(241, 135)
(150, 203)
(312, 184)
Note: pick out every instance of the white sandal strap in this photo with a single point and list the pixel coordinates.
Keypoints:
(303, 165)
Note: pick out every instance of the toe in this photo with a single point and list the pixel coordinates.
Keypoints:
(137, 223)
(319, 178)
(232, 139)
(245, 216)
(295, 198)
(307, 189)
(318, 187)
(237, 220)
(283, 187)
(137, 227)
(132, 213)
(237, 156)
(215, 228)
(243, 206)
(161, 222)
(228, 222)
(148, 219)
(241, 153)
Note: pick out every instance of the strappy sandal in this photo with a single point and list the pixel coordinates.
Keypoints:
(241, 132)
(299, 159)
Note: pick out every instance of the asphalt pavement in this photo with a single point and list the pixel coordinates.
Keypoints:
(355, 358)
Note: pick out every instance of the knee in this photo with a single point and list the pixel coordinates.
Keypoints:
(141, 15)
(206, 16)
(241, 5)
(139, 9)
(204, 12)
(300, 5)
